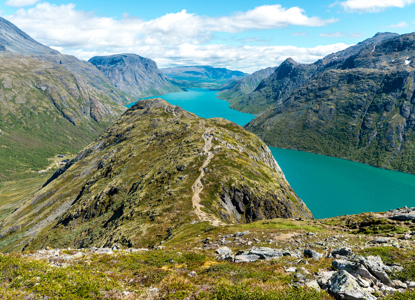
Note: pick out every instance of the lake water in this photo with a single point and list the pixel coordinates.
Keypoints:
(329, 186)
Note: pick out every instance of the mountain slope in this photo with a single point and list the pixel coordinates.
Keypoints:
(50, 103)
(12, 39)
(361, 110)
(290, 76)
(156, 169)
(244, 86)
(46, 110)
(134, 75)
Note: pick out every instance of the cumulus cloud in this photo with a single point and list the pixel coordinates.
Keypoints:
(399, 25)
(175, 38)
(373, 5)
(21, 3)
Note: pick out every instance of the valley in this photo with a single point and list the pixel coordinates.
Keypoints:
(120, 180)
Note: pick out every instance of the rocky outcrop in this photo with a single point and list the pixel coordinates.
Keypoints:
(361, 109)
(134, 75)
(136, 179)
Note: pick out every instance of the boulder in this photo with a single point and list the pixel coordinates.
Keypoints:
(266, 253)
(375, 266)
(224, 253)
(343, 251)
(244, 258)
(312, 254)
(354, 268)
(343, 285)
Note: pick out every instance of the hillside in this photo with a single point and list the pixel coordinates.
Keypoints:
(361, 109)
(50, 103)
(155, 170)
(134, 75)
(203, 74)
(46, 110)
(236, 90)
(290, 76)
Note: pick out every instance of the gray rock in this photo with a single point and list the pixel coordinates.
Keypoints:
(375, 266)
(399, 284)
(343, 251)
(312, 254)
(291, 270)
(381, 240)
(354, 268)
(344, 286)
(224, 253)
(192, 274)
(404, 216)
(314, 285)
(266, 253)
(244, 258)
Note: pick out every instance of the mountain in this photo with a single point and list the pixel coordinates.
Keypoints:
(290, 76)
(134, 75)
(12, 39)
(236, 90)
(156, 169)
(362, 109)
(50, 103)
(206, 74)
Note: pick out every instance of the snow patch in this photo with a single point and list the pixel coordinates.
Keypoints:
(407, 62)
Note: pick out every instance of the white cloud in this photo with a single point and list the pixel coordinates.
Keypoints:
(399, 25)
(341, 34)
(176, 38)
(21, 3)
(373, 5)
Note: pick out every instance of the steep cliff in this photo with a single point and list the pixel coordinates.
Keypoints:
(157, 168)
(134, 75)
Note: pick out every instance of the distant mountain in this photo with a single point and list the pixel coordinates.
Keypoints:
(236, 90)
(202, 74)
(361, 108)
(134, 74)
(157, 169)
(290, 76)
(50, 103)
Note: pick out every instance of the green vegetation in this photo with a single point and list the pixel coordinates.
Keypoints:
(46, 111)
(133, 185)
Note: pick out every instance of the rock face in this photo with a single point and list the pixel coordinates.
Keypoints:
(290, 76)
(136, 184)
(134, 75)
(361, 109)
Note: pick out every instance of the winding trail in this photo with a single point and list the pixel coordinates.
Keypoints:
(197, 187)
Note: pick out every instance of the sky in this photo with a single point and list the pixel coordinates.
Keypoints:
(245, 35)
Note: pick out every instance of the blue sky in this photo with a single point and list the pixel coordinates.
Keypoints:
(243, 35)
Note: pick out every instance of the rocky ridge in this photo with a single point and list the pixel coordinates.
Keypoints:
(136, 181)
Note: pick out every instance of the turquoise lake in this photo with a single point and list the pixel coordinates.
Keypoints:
(329, 186)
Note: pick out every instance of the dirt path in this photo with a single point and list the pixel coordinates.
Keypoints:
(197, 187)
